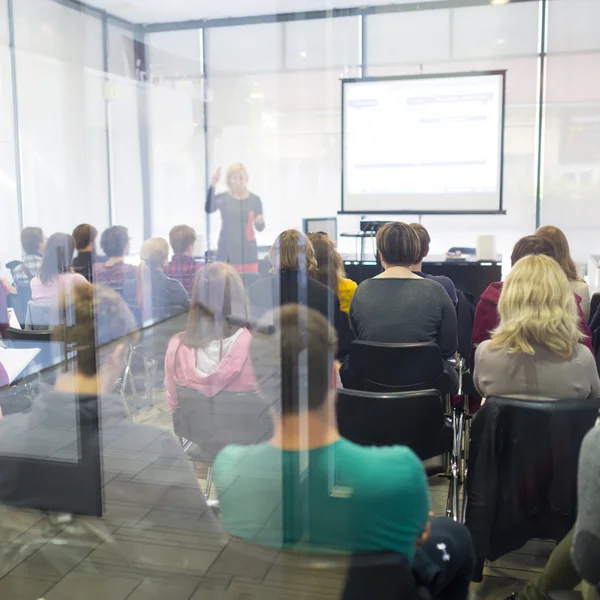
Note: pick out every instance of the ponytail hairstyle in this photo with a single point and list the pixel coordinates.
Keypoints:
(154, 254)
(58, 257)
(330, 266)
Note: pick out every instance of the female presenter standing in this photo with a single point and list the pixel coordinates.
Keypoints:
(241, 214)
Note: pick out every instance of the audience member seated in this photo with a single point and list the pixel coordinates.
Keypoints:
(8, 289)
(183, 265)
(156, 295)
(586, 541)
(309, 489)
(213, 354)
(563, 257)
(417, 268)
(330, 270)
(114, 242)
(85, 244)
(55, 273)
(398, 306)
(535, 353)
(486, 314)
(131, 497)
(32, 241)
(293, 259)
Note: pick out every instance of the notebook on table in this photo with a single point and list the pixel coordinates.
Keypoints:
(14, 360)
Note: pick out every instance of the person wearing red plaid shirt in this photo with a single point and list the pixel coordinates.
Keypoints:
(183, 266)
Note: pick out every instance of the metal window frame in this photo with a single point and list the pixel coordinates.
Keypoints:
(202, 25)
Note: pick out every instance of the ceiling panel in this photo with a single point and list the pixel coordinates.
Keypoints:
(157, 11)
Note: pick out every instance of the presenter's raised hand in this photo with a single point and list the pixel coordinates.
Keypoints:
(215, 178)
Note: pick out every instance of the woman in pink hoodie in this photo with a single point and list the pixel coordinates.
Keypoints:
(212, 354)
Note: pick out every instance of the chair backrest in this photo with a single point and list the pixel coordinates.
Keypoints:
(3, 310)
(382, 367)
(523, 471)
(226, 418)
(41, 315)
(413, 419)
(249, 278)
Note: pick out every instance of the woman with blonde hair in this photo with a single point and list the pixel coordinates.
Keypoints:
(535, 353)
(291, 281)
(213, 354)
(563, 258)
(330, 269)
(152, 292)
(241, 213)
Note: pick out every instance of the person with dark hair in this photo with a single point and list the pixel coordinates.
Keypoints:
(183, 265)
(101, 328)
(309, 489)
(55, 274)
(114, 272)
(417, 268)
(32, 241)
(213, 354)
(398, 306)
(330, 269)
(85, 244)
(486, 314)
(151, 291)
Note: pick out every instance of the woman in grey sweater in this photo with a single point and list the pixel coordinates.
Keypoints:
(535, 353)
(398, 306)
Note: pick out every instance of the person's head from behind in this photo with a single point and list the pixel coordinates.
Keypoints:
(236, 179)
(114, 241)
(424, 241)
(182, 239)
(32, 240)
(154, 255)
(532, 245)
(563, 253)
(330, 266)
(100, 325)
(398, 245)
(58, 256)
(219, 304)
(85, 237)
(537, 308)
(292, 252)
(294, 361)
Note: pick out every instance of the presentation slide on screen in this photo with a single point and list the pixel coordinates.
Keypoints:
(423, 144)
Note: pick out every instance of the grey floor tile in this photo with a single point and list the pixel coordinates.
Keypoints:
(18, 588)
(77, 585)
(244, 560)
(153, 589)
(165, 558)
(509, 573)
(249, 591)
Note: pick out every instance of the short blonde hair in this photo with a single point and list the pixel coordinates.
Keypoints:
(537, 307)
(398, 244)
(234, 169)
(155, 251)
(289, 247)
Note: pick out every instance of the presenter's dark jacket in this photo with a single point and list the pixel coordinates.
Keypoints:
(237, 242)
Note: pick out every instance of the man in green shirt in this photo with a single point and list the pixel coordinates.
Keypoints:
(308, 489)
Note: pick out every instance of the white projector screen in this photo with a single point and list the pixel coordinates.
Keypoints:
(423, 144)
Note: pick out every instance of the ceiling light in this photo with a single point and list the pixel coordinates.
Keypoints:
(303, 54)
(501, 41)
(498, 2)
(257, 96)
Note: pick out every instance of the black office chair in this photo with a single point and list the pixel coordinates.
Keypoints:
(523, 469)
(380, 367)
(215, 422)
(414, 419)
